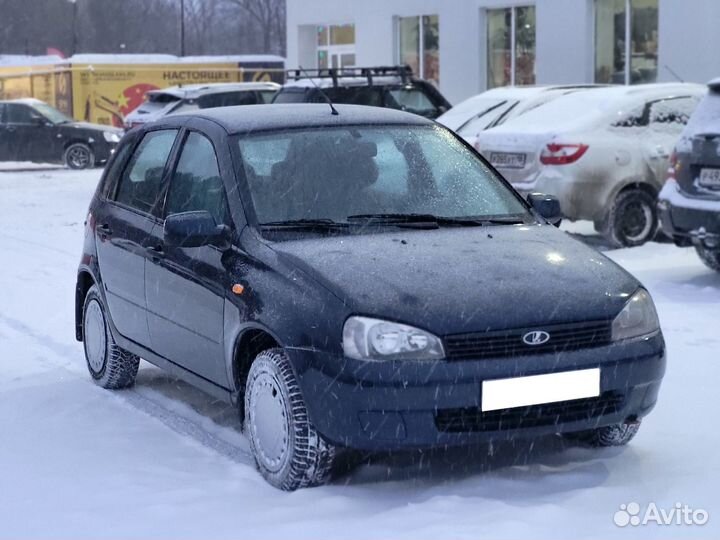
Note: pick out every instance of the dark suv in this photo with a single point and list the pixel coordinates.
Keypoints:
(356, 280)
(31, 130)
(391, 87)
(690, 201)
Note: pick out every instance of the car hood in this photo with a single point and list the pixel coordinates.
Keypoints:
(466, 280)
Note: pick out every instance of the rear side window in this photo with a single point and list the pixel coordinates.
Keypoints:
(141, 183)
(196, 183)
(411, 100)
(228, 99)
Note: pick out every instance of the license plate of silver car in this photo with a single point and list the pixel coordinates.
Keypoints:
(507, 160)
(710, 178)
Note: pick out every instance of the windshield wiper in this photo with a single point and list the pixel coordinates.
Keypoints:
(304, 224)
(430, 219)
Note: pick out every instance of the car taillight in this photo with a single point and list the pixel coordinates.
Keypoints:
(562, 154)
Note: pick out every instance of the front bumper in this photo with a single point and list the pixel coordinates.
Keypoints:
(386, 406)
(688, 220)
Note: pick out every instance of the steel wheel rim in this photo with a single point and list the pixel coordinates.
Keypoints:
(78, 157)
(637, 221)
(95, 336)
(269, 422)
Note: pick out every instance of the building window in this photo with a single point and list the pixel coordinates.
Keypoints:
(336, 46)
(511, 46)
(626, 29)
(419, 45)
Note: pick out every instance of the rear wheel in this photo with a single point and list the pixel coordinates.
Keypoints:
(614, 435)
(632, 220)
(711, 257)
(288, 450)
(79, 156)
(109, 365)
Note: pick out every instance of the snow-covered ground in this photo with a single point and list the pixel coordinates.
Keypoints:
(163, 460)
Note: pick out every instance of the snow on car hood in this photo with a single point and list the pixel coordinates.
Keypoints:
(465, 280)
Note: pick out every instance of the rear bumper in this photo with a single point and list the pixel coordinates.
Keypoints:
(384, 407)
(689, 220)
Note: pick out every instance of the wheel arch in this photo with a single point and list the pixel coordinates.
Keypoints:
(85, 280)
(248, 344)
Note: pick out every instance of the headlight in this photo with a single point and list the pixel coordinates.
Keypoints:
(373, 339)
(638, 318)
(111, 136)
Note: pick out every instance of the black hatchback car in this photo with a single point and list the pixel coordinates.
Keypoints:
(392, 87)
(31, 130)
(356, 280)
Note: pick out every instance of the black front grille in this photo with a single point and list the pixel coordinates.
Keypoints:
(467, 420)
(566, 337)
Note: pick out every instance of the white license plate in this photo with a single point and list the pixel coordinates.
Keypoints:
(507, 160)
(538, 389)
(710, 178)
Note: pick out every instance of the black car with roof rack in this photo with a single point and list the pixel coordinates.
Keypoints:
(393, 87)
(356, 277)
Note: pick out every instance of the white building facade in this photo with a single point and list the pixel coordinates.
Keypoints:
(468, 46)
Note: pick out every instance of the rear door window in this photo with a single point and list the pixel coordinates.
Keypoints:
(140, 186)
(227, 99)
(411, 100)
(18, 113)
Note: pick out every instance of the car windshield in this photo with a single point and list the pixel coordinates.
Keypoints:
(344, 173)
(52, 114)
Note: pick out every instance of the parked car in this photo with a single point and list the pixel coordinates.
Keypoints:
(604, 153)
(391, 87)
(180, 99)
(497, 106)
(345, 280)
(690, 201)
(31, 130)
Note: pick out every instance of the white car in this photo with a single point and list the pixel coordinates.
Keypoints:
(604, 153)
(496, 106)
(180, 99)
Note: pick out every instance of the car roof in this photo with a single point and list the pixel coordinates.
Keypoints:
(243, 119)
(196, 90)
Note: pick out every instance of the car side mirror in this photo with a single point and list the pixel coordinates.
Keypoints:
(547, 206)
(195, 229)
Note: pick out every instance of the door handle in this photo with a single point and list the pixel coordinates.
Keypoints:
(11, 129)
(156, 252)
(104, 230)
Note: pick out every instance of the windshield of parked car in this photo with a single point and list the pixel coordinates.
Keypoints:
(340, 173)
(52, 114)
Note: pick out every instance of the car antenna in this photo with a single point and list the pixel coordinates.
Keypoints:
(333, 110)
(672, 72)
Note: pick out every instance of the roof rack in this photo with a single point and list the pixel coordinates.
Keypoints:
(404, 72)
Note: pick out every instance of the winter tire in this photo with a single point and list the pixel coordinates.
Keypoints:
(79, 156)
(110, 366)
(632, 220)
(614, 435)
(288, 450)
(711, 257)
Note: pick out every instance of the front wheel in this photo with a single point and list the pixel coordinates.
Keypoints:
(632, 219)
(614, 435)
(288, 450)
(79, 156)
(710, 257)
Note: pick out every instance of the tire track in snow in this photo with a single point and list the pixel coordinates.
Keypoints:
(180, 424)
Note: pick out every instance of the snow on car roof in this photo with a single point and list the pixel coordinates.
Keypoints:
(581, 108)
(26, 101)
(288, 116)
(194, 90)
